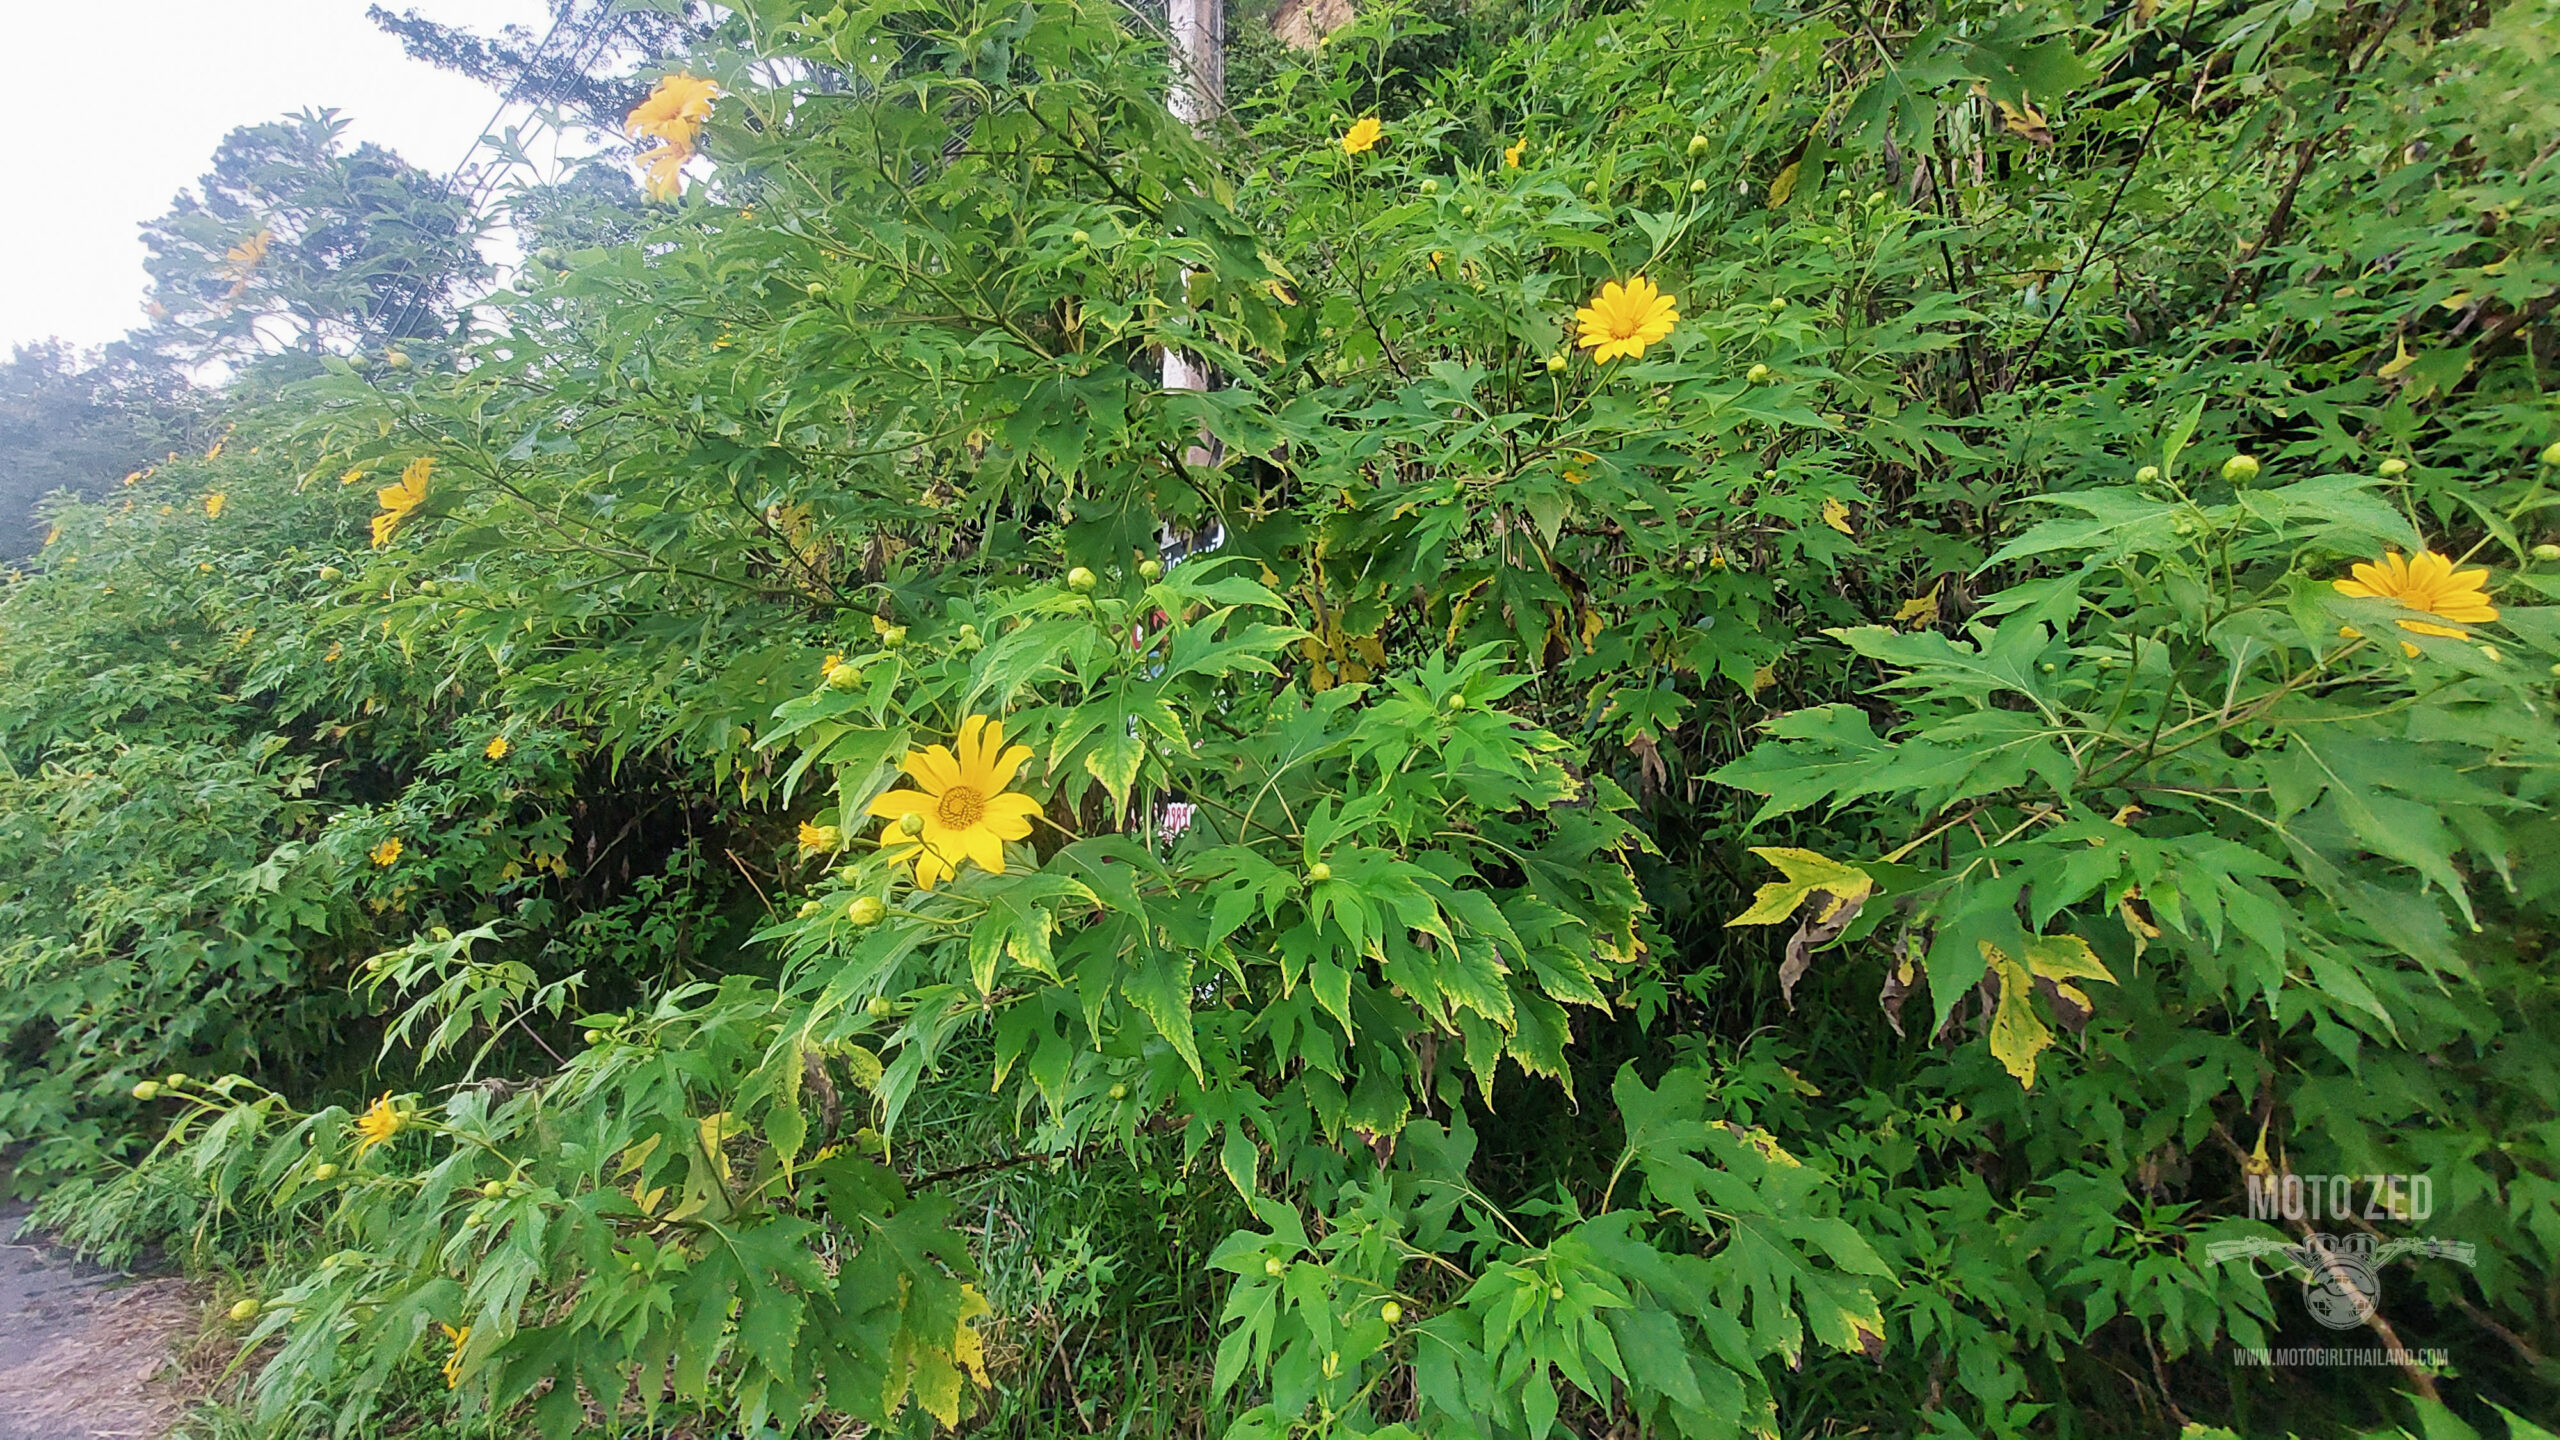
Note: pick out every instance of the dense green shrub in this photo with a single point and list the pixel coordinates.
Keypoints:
(1431, 981)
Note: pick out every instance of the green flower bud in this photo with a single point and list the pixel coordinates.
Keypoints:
(398, 359)
(911, 824)
(595, 1037)
(1556, 363)
(2551, 453)
(969, 637)
(843, 675)
(1757, 374)
(1081, 238)
(175, 1080)
(324, 1172)
(1119, 1092)
(1318, 873)
(2147, 474)
(893, 638)
(494, 1189)
(1555, 1292)
(2240, 469)
(2394, 468)
(1698, 186)
(866, 910)
(1151, 571)
(1590, 189)
(1777, 302)
(1430, 186)
(817, 289)
(1082, 581)
(244, 1310)
(1275, 1267)
(1699, 145)
(1391, 1312)
(332, 572)
(147, 1090)
(2546, 551)
(880, 1008)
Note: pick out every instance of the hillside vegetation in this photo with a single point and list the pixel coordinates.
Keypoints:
(1815, 681)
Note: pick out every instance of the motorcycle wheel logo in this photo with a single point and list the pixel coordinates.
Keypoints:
(2341, 1285)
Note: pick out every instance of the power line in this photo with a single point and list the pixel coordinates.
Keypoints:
(471, 207)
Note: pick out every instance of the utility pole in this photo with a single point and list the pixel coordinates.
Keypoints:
(1198, 30)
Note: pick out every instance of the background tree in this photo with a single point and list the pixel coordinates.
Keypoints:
(78, 421)
(292, 242)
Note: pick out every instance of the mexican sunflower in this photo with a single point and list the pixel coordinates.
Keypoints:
(378, 1124)
(1623, 319)
(963, 811)
(1363, 136)
(460, 1335)
(2429, 583)
(498, 748)
(672, 116)
(401, 500)
(674, 112)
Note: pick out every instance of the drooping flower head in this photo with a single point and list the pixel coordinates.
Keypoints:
(1624, 319)
(460, 1336)
(672, 116)
(378, 1124)
(401, 500)
(962, 810)
(820, 839)
(2427, 582)
(662, 171)
(1363, 136)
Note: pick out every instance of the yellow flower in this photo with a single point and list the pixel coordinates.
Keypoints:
(674, 112)
(378, 1124)
(336, 649)
(401, 500)
(453, 1363)
(1362, 137)
(1511, 153)
(498, 747)
(1624, 319)
(664, 171)
(2428, 583)
(136, 477)
(213, 504)
(964, 809)
(819, 839)
(386, 854)
(354, 474)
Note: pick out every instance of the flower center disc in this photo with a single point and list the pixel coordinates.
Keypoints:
(959, 808)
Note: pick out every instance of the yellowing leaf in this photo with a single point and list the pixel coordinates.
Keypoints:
(2406, 360)
(2018, 1033)
(1783, 186)
(1836, 514)
(1920, 611)
(1807, 874)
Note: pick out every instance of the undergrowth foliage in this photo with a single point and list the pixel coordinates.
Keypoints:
(779, 837)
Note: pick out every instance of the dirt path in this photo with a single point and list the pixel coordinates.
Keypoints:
(85, 1353)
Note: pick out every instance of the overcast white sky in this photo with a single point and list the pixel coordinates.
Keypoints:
(120, 103)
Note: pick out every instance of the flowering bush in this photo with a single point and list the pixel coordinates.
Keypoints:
(1340, 806)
